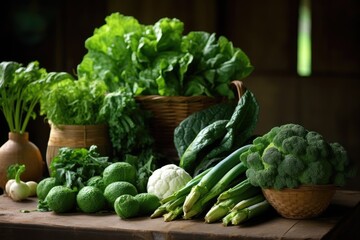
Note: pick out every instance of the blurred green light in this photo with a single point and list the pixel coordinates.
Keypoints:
(304, 39)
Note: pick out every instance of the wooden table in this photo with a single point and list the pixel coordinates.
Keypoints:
(340, 221)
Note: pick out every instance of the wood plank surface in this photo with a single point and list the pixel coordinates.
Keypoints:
(340, 218)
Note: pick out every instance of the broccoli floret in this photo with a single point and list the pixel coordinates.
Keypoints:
(295, 145)
(259, 144)
(318, 172)
(318, 142)
(269, 136)
(264, 178)
(285, 182)
(272, 156)
(254, 161)
(287, 131)
(290, 155)
(339, 159)
(291, 166)
(296, 128)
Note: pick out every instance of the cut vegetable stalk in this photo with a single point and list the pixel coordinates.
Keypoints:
(238, 189)
(213, 177)
(222, 208)
(240, 206)
(187, 188)
(173, 214)
(222, 185)
(176, 199)
(248, 202)
(175, 203)
(248, 213)
(161, 210)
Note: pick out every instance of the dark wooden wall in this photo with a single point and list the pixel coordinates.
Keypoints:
(54, 32)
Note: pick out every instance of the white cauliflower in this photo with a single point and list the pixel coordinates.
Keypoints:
(166, 180)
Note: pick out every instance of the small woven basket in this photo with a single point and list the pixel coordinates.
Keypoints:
(307, 201)
(169, 111)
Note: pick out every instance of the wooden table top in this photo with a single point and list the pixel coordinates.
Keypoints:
(339, 221)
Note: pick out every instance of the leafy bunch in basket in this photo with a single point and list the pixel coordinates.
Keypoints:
(83, 102)
(160, 59)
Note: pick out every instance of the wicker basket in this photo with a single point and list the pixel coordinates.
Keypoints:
(301, 203)
(77, 136)
(169, 111)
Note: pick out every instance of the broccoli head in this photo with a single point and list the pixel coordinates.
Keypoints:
(318, 172)
(289, 156)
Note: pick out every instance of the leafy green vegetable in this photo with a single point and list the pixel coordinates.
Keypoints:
(74, 102)
(74, 167)
(128, 128)
(201, 144)
(145, 163)
(187, 130)
(159, 59)
(20, 91)
(238, 129)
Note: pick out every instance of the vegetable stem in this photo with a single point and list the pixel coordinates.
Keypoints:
(191, 208)
(246, 210)
(213, 177)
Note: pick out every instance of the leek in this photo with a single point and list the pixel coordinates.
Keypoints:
(197, 207)
(213, 177)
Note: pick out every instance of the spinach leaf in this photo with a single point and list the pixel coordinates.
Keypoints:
(239, 129)
(187, 130)
(73, 167)
(203, 140)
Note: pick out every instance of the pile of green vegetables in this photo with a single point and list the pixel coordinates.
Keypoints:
(209, 143)
(287, 156)
(221, 192)
(208, 136)
(160, 59)
(74, 167)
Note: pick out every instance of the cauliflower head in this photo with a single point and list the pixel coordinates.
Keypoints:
(166, 180)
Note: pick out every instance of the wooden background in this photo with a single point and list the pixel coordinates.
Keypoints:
(53, 32)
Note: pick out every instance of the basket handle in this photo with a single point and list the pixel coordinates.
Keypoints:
(239, 86)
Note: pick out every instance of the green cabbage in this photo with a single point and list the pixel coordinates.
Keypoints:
(160, 59)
